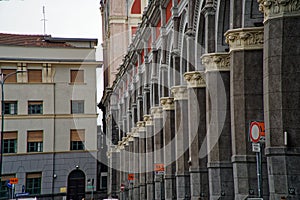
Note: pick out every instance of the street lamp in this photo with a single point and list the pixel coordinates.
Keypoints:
(3, 78)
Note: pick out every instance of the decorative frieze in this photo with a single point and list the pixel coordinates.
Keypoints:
(279, 8)
(245, 38)
(167, 103)
(179, 92)
(148, 120)
(156, 112)
(195, 79)
(216, 62)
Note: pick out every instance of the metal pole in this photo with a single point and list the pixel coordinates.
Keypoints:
(258, 162)
(2, 125)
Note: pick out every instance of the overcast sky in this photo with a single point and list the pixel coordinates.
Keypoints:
(65, 18)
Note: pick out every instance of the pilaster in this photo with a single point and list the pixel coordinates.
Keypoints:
(217, 66)
(246, 91)
(181, 141)
(196, 88)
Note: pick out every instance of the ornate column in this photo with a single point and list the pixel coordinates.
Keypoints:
(150, 157)
(281, 96)
(125, 162)
(209, 12)
(196, 89)
(246, 94)
(142, 159)
(181, 141)
(169, 146)
(115, 172)
(156, 113)
(217, 76)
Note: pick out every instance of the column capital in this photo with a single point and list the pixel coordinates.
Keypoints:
(140, 126)
(134, 132)
(216, 62)
(167, 103)
(180, 92)
(195, 79)
(156, 112)
(245, 38)
(275, 8)
(148, 120)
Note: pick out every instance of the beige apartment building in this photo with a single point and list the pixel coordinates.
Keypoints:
(50, 129)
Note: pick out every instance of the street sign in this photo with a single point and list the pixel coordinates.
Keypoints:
(13, 180)
(257, 131)
(255, 147)
(159, 167)
(122, 187)
(130, 177)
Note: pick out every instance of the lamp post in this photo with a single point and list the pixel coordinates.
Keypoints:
(2, 81)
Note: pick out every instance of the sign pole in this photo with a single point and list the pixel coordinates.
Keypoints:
(259, 171)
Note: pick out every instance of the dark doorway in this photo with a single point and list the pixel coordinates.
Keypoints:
(76, 185)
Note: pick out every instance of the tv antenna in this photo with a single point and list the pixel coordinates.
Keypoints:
(44, 19)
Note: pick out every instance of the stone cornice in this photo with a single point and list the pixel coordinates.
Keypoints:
(156, 112)
(195, 79)
(167, 103)
(216, 62)
(179, 92)
(245, 38)
(148, 120)
(279, 8)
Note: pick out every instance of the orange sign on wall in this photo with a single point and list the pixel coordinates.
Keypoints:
(13, 180)
(159, 167)
(130, 177)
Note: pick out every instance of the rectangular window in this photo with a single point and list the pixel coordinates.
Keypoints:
(77, 76)
(33, 183)
(10, 142)
(10, 107)
(77, 106)
(4, 188)
(12, 78)
(35, 107)
(77, 139)
(34, 75)
(34, 141)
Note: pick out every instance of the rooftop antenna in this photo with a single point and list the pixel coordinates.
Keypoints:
(44, 20)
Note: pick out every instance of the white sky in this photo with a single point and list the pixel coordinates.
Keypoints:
(65, 18)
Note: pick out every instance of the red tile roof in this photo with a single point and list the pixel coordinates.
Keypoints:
(30, 40)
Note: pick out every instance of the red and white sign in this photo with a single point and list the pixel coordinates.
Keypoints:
(122, 187)
(257, 131)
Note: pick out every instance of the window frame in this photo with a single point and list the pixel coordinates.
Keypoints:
(34, 177)
(35, 143)
(77, 139)
(33, 106)
(34, 80)
(9, 103)
(77, 106)
(11, 141)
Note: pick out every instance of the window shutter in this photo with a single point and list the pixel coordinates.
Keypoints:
(77, 76)
(34, 75)
(35, 136)
(35, 102)
(12, 78)
(10, 135)
(77, 135)
(34, 175)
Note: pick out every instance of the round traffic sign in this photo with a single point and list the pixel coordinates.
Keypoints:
(256, 131)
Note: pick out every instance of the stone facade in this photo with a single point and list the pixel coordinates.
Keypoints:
(201, 72)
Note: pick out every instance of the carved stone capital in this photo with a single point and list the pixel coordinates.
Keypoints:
(195, 79)
(279, 8)
(134, 132)
(216, 62)
(179, 92)
(141, 126)
(167, 103)
(245, 38)
(156, 112)
(148, 120)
